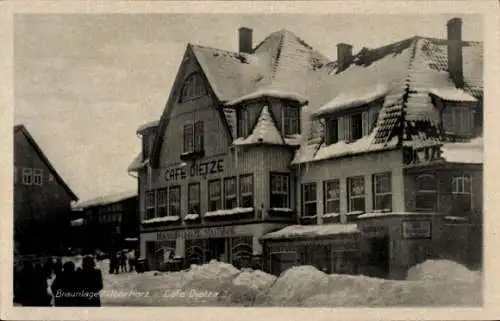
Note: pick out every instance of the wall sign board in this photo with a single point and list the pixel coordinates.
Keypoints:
(195, 169)
(416, 229)
(198, 233)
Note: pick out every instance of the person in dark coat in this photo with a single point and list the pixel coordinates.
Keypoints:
(89, 283)
(123, 261)
(58, 266)
(39, 287)
(113, 263)
(64, 287)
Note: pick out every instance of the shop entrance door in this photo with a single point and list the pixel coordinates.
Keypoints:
(217, 249)
(379, 257)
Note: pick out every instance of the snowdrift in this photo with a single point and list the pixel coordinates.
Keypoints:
(432, 283)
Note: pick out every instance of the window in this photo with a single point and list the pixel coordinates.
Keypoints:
(230, 197)
(174, 201)
(331, 191)
(193, 137)
(457, 119)
(161, 200)
(309, 200)
(356, 194)
(51, 178)
(291, 120)
(246, 190)
(356, 126)
(194, 198)
(37, 177)
(332, 133)
(214, 195)
(462, 193)
(150, 204)
(382, 192)
(246, 119)
(27, 176)
(279, 191)
(194, 87)
(426, 193)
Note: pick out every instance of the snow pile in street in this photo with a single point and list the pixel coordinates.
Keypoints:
(442, 270)
(214, 276)
(249, 288)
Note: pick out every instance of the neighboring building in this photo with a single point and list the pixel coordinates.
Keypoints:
(109, 223)
(42, 200)
(375, 159)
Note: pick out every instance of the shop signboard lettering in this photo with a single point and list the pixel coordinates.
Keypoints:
(199, 233)
(416, 229)
(196, 169)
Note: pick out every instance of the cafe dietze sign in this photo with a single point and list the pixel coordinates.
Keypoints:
(196, 169)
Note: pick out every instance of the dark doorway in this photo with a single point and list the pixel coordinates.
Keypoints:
(216, 249)
(379, 256)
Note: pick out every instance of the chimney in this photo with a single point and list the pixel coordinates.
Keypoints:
(455, 59)
(344, 56)
(245, 39)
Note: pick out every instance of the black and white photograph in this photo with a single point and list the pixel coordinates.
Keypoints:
(248, 159)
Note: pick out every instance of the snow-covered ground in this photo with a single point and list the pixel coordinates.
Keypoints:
(432, 283)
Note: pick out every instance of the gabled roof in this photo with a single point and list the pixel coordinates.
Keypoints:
(105, 200)
(21, 128)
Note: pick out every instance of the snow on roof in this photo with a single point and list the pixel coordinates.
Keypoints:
(105, 200)
(464, 152)
(264, 132)
(189, 217)
(147, 125)
(170, 218)
(237, 210)
(312, 231)
(387, 214)
(137, 163)
(452, 94)
(353, 98)
(269, 93)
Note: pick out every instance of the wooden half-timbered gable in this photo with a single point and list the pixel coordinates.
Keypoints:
(277, 134)
(42, 200)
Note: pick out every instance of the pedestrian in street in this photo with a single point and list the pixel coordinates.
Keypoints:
(123, 261)
(64, 287)
(117, 263)
(89, 282)
(131, 260)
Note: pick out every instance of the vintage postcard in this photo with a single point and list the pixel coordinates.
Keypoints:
(242, 160)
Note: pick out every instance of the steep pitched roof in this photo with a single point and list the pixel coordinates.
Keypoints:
(21, 128)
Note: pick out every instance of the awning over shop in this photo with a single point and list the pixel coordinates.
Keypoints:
(312, 231)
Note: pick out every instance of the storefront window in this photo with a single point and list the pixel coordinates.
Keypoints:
(462, 193)
(426, 193)
(279, 191)
(194, 198)
(214, 195)
(150, 204)
(161, 197)
(382, 192)
(356, 193)
(230, 197)
(174, 201)
(309, 199)
(246, 190)
(331, 191)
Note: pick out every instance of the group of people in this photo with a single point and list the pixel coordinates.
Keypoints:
(71, 286)
(118, 262)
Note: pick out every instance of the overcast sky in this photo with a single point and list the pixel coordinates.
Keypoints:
(84, 83)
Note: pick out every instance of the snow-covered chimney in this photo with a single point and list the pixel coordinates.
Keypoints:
(245, 39)
(344, 56)
(455, 59)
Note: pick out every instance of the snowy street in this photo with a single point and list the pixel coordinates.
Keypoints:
(433, 283)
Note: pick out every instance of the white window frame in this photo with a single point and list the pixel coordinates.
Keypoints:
(426, 191)
(326, 196)
(150, 203)
(172, 202)
(192, 88)
(243, 191)
(214, 197)
(378, 194)
(290, 124)
(27, 178)
(459, 184)
(461, 118)
(306, 202)
(284, 183)
(37, 177)
(194, 201)
(161, 202)
(233, 196)
(351, 196)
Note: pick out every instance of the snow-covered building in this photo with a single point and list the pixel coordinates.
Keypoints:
(275, 135)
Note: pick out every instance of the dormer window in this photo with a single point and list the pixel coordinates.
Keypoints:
(194, 87)
(356, 126)
(247, 117)
(332, 131)
(458, 120)
(290, 120)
